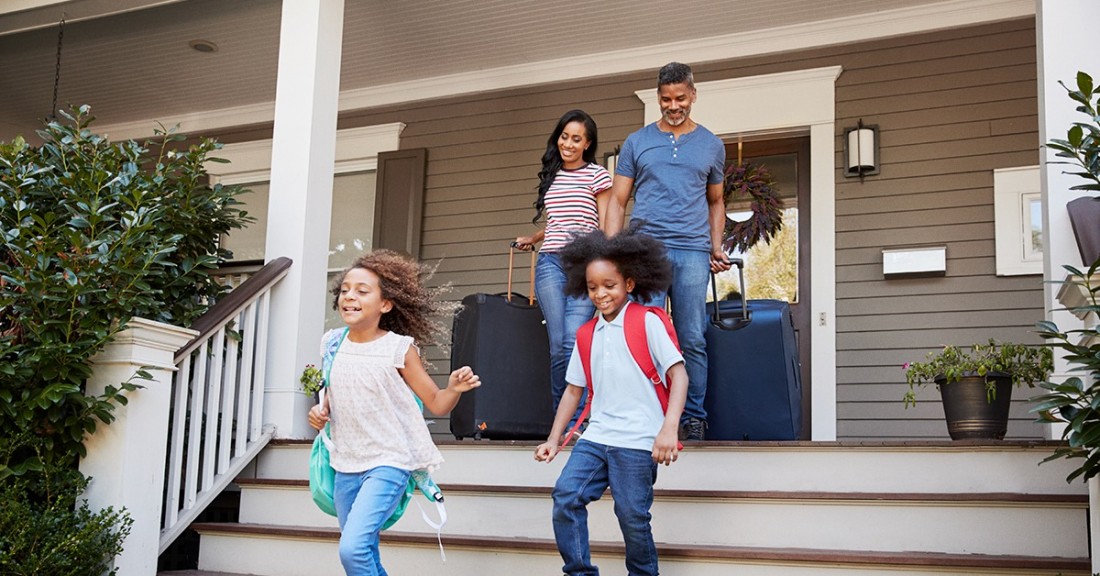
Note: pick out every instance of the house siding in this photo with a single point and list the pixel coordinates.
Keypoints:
(951, 105)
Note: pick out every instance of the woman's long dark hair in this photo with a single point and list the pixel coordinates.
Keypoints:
(551, 159)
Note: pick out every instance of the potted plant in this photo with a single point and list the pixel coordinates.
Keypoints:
(976, 384)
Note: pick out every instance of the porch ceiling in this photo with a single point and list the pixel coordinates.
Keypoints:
(131, 60)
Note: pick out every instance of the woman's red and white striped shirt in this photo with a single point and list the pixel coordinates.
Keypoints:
(571, 204)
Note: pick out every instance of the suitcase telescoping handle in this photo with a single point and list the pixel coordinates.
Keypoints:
(731, 323)
(511, 255)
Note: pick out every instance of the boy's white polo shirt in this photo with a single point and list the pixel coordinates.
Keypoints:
(625, 410)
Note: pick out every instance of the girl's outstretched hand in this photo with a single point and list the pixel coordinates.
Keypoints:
(463, 380)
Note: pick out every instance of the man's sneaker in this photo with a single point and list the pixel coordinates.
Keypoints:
(693, 429)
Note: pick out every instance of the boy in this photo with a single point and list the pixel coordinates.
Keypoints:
(627, 435)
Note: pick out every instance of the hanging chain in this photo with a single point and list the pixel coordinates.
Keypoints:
(57, 70)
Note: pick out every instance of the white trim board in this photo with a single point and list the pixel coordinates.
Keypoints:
(761, 104)
(845, 30)
(356, 151)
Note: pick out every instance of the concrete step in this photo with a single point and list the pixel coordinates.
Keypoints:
(761, 508)
(924, 467)
(287, 551)
(870, 521)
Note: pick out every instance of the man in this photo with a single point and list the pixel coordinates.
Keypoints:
(677, 168)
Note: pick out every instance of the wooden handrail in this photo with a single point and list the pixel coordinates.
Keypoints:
(232, 303)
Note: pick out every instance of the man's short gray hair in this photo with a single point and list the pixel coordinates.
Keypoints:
(675, 73)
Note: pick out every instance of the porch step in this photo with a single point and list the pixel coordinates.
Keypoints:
(198, 573)
(770, 509)
(933, 522)
(915, 467)
(244, 548)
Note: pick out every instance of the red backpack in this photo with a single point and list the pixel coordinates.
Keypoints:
(637, 343)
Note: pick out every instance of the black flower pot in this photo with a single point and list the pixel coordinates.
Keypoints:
(969, 412)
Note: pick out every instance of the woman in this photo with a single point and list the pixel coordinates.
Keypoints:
(572, 193)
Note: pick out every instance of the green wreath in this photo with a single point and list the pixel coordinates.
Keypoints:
(753, 181)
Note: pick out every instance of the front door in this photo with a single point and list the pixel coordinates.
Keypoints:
(780, 269)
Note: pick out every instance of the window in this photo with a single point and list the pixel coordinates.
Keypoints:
(1018, 211)
(351, 224)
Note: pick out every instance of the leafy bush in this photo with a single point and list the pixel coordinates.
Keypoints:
(46, 530)
(93, 233)
(1076, 401)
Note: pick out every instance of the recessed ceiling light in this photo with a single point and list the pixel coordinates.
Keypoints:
(204, 46)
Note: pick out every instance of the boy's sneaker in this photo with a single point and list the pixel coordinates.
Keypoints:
(693, 429)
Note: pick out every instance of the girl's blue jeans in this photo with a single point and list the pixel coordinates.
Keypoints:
(564, 315)
(364, 501)
(590, 469)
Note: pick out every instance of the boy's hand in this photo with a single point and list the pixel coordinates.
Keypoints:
(463, 380)
(546, 451)
(318, 415)
(665, 447)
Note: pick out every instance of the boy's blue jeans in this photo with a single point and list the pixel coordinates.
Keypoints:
(364, 501)
(564, 315)
(688, 297)
(631, 474)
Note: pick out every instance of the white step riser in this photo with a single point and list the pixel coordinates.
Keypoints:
(1005, 528)
(786, 468)
(246, 555)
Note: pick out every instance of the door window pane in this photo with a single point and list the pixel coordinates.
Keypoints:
(771, 269)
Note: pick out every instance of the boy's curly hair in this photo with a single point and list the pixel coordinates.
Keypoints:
(415, 305)
(637, 256)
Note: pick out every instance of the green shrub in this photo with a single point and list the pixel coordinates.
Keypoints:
(46, 529)
(93, 233)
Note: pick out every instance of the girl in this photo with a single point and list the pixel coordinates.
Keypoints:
(627, 435)
(571, 191)
(378, 430)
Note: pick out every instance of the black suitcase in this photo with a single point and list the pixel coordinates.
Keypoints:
(754, 382)
(503, 338)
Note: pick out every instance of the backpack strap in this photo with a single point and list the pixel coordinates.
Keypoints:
(638, 343)
(327, 358)
(584, 350)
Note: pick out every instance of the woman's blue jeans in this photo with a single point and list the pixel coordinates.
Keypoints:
(590, 469)
(688, 297)
(364, 501)
(564, 315)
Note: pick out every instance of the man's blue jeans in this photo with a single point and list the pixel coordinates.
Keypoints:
(631, 474)
(688, 296)
(564, 315)
(364, 501)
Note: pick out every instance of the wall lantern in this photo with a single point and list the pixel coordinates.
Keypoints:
(861, 150)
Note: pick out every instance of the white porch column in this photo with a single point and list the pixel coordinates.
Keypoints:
(126, 458)
(300, 200)
(1065, 31)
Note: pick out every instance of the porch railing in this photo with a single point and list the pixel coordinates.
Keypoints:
(216, 423)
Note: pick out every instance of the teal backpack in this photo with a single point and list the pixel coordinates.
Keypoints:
(322, 476)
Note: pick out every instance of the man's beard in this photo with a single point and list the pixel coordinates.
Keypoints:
(682, 118)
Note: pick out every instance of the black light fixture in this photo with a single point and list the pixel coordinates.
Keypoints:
(861, 150)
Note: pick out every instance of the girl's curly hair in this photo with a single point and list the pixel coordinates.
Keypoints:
(415, 305)
(637, 256)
